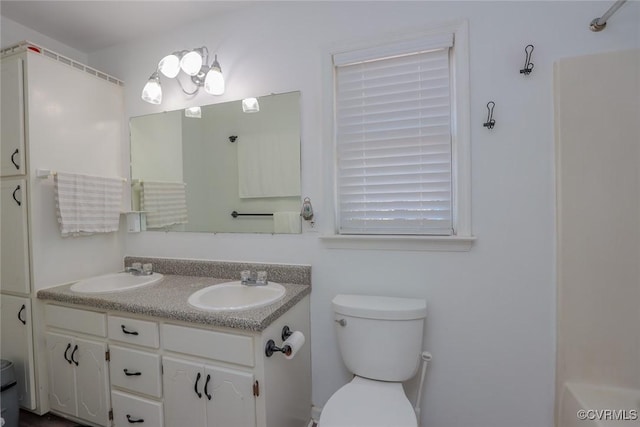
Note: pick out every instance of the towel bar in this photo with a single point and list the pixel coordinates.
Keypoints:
(235, 214)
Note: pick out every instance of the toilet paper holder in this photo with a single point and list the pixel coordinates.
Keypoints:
(271, 346)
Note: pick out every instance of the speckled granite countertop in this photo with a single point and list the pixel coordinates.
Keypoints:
(168, 300)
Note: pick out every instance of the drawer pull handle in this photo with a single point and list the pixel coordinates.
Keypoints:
(72, 353)
(65, 353)
(23, 308)
(13, 160)
(132, 421)
(206, 385)
(124, 329)
(195, 387)
(131, 374)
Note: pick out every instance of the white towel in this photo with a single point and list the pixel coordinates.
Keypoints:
(286, 222)
(164, 203)
(268, 165)
(87, 204)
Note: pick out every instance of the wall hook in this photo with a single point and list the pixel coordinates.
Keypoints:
(528, 65)
(307, 210)
(233, 138)
(490, 123)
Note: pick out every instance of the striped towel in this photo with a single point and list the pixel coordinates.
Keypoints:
(164, 203)
(87, 204)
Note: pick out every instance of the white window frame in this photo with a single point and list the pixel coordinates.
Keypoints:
(462, 238)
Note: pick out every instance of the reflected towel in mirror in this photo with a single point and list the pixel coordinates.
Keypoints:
(164, 203)
(286, 223)
(268, 165)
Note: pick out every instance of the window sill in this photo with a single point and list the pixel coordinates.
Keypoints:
(399, 243)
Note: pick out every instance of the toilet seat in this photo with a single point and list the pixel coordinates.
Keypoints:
(368, 403)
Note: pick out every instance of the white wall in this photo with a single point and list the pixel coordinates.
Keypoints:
(491, 320)
(12, 33)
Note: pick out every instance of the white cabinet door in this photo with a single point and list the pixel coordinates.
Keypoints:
(14, 275)
(62, 390)
(183, 384)
(92, 381)
(12, 110)
(230, 400)
(78, 377)
(17, 344)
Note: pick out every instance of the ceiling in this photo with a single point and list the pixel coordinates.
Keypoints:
(93, 25)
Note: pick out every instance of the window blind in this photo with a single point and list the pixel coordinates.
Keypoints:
(393, 132)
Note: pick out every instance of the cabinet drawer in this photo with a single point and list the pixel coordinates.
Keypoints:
(133, 331)
(87, 322)
(211, 344)
(136, 370)
(134, 410)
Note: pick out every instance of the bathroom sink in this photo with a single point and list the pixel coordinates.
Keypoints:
(114, 282)
(236, 296)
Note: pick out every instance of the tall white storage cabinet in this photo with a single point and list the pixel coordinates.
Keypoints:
(56, 115)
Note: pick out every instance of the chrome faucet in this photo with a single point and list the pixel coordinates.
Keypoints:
(138, 269)
(249, 279)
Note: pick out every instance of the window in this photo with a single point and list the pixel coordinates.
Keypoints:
(402, 139)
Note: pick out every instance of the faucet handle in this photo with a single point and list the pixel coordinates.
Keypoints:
(147, 268)
(136, 266)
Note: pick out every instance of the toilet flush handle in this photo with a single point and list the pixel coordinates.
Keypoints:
(341, 322)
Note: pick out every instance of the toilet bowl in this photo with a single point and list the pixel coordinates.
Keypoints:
(368, 403)
(380, 341)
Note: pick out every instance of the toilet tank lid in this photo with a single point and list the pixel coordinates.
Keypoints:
(379, 307)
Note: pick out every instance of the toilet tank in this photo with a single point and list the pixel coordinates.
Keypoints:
(380, 337)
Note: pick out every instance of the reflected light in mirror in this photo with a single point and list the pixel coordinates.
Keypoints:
(250, 105)
(193, 112)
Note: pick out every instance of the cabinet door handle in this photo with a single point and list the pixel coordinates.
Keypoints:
(14, 195)
(13, 161)
(65, 353)
(124, 329)
(206, 385)
(23, 308)
(74, 352)
(132, 421)
(131, 374)
(195, 387)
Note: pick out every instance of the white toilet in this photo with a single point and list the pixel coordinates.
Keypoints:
(380, 339)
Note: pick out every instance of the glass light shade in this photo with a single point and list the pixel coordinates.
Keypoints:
(214, 82)
(170, 65)
(152, 91)
(193, 112)
(191, 63)
(250, 105)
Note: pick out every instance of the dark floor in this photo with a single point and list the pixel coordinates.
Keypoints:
(28, 419)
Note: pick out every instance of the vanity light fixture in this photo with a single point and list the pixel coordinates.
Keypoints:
(195, 64)
(250, 105)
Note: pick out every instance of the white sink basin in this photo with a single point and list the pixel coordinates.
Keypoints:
(114, 282)
(236, 296)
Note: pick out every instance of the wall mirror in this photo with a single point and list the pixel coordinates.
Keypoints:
(192, 170)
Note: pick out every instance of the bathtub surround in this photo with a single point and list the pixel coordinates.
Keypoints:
(598, 181)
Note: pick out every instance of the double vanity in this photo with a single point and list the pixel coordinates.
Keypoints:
(184, 346)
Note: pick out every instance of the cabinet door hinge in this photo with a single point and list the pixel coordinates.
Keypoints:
(107, 356)
(256, 389)
(110, 414)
